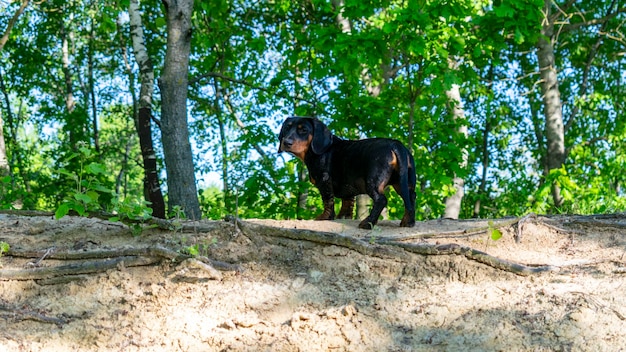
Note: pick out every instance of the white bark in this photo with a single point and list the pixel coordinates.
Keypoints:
(453, 202)
(146, 73)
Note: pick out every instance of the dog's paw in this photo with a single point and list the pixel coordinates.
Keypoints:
(366, 224)
(408, 223)
(325, 216)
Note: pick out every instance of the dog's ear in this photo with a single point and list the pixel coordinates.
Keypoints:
(322, 138)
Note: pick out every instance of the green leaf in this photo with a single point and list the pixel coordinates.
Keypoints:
(62, 210)
(93, 195)
(96, 169)
(85, 151)
(83, 198)
(519, 36)
(79, 208)
(4, 247)
(496, 234)
(193, 250)
(102, 189)
(160, 22)
(505, 11)
(73, 176)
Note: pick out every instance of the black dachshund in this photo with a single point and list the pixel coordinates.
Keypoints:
(343, 168)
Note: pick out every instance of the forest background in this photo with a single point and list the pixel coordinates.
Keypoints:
(509, 106)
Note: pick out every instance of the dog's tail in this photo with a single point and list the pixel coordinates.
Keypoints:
(408, 179)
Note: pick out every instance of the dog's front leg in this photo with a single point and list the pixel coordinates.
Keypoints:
(329, 210)
(347, 208)
(328, 198)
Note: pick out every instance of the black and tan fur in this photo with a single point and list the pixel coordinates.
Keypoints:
(345, 168)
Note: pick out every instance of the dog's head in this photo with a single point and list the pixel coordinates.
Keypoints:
(299, 134)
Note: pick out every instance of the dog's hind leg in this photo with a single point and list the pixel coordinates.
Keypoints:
(406, 186)
(380, 202)
(408, 196)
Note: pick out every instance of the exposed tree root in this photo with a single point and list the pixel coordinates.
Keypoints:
(473, 254)
(106, 260)
(327, 238)
(24, 314)
(390, 249)
(87, 267)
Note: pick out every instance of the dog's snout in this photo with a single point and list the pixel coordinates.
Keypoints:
(285, 145)
(287, 142)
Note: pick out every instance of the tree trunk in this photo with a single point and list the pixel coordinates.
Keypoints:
(181, 180)
(152, 186)
(453, 202)
(555, 133)
(223, 146)
(362, 206)
(4, 161)
(72, 124)
(92, 89)
(5, 36)
(5, 165)
(485, 147)
(134, 108)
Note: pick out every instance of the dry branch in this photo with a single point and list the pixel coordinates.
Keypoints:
(23, 314)
(107, 259)
(88, 267)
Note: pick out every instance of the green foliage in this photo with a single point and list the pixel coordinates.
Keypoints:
(89, 185)
(212, 203)
(6, 197)
(254, 63)
(128, 208)
(4, 248)
(198, 249)
(494, 233)
(90, 190)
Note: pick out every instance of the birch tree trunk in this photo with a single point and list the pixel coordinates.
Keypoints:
(151, 184)
(453, 202)
(72, 124)
(92, 88)
(553, 112)
(181, 180)
(4, 161)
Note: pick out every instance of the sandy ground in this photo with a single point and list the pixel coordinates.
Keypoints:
(302, 296)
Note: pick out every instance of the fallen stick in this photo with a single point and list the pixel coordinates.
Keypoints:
(154, 254)
(23, 314)
(88, 267)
